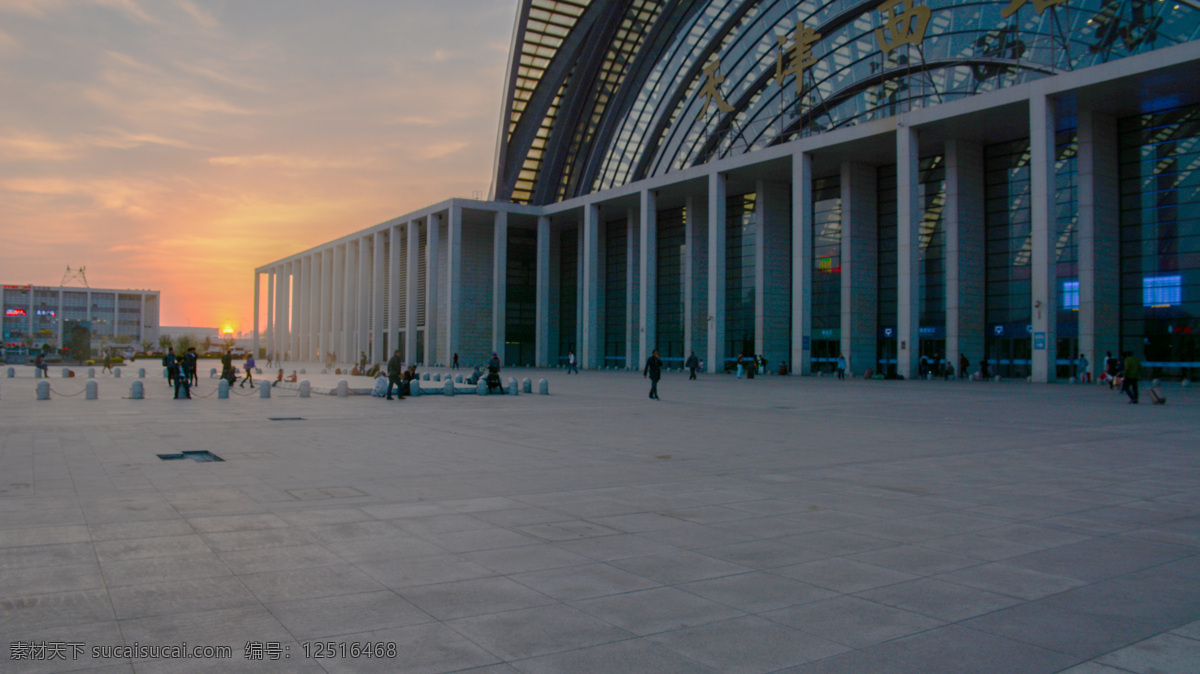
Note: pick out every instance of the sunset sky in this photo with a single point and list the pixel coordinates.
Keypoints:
(175, 145)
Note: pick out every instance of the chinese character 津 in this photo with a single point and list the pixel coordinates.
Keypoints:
(797, 57)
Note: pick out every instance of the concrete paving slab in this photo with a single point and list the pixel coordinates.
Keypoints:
(780, 524)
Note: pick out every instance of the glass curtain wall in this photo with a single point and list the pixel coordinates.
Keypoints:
(739, 276)
(616, 265)
(1066, 251)
(932, 262)
(827, 273)
(568, 293)
(520, 297)
(1160, 240)
(888, 304)
(1008, 247)
(670, 286)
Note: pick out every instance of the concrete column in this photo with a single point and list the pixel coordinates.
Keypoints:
(1043, 272)
(366, 256)
(860, 266)
(303, 348)
(802, 245)
(542, 311)
(284, 306)
(257, 302)
(715, 358)
(329, 289)
(499, 281)
(695, 277)
(589, 352)
(315, 306)
(1099, 238)
(908, 250)
(432, 261)
(633, 277)
(454, 263)
(337, 305)
(297, 322)
(378, 287)
(270, 332)
(410, 304)
(965, 241)
(774, 201)
(395, 269)
(648, 265)
(346, 351)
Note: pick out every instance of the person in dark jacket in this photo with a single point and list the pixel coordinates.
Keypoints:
(182, 381)
(169, 363)
(189, 359)
(692, 364)
(1133, 372)
(395, 369)
(654, 370)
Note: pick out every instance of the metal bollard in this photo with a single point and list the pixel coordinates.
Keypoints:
(141, 373)
(93, 389)
(543, 387)
(116, 373)
(91, 373)
(437, 376)
(458, 379)
(414, 388)
(448, 387)
(527, 385)
(66, 373)
(43, 390)
(212, 373)
(425, 376)
(512, 387)
(12, 372)
(481, 387)
(264, 390)
(343, 388)
(223, 389)
(305, 389)
(137, 390)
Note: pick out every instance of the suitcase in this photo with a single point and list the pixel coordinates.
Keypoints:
(1156, 396)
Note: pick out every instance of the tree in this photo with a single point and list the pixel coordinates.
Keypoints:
(164, 343)
(147, 345)
(184, 343)
(208, 343)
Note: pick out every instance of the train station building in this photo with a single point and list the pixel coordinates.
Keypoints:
(1015, 180)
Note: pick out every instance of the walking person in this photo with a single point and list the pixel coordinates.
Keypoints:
(249, 365)
(1111, 365)
(693, 364)
(654, 370)
(454, 363)
(841, 367)
(1133, 372)
(741, 364)
(572, 363)
(1083, 368)
(395, 369)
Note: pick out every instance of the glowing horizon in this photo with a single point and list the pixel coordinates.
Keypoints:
(175, 146)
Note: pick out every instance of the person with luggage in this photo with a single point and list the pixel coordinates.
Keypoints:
(1133, 371)
(653, 369)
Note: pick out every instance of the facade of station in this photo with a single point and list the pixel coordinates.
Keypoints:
(1016, 181)
(35, 316)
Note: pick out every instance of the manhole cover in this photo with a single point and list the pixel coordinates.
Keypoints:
(202, 457)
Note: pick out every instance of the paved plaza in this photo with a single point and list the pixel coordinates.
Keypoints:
(773, 525)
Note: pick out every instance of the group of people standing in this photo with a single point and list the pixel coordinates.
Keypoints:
(181, 371)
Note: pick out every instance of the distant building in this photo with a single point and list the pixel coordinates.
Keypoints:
(38, 315)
